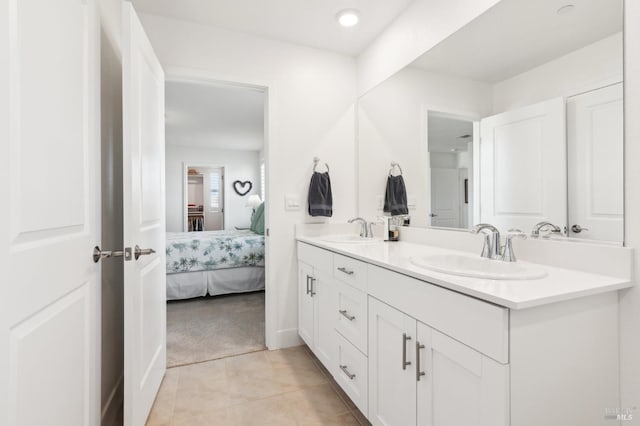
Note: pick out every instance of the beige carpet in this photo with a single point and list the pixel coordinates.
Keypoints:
(214, 327)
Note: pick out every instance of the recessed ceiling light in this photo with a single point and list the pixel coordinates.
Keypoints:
(565, 9)
(348, 17)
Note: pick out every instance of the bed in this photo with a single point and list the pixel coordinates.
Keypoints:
(214, 263)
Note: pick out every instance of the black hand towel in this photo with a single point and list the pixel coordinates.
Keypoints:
(395, 198)
(320, 199)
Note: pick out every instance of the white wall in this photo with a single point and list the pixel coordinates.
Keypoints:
(392, 127)
(443, 160)
(239, 165)
(421, 26)
(593, 66)
(311, 113)
(630, 299)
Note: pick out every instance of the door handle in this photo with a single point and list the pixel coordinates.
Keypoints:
(105, 254)
(432, 215)
(418, 372)
(578, 229)
(142, 252)
(308, 279)
(405, 339)
(311, 292)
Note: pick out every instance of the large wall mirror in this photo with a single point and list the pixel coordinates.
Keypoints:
(514, 120)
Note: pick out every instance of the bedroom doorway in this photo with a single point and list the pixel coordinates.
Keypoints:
(216, 190)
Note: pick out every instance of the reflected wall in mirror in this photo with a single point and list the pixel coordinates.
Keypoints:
(513, 120)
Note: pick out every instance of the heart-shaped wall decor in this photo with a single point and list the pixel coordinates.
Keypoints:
(242, 188)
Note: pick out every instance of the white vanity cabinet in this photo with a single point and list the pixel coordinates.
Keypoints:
(414, 366)
(408, 352)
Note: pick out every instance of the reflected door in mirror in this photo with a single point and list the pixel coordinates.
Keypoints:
(595, 148)
(523, 167)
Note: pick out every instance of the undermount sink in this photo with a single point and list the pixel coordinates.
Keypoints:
(479, 267)
(349, 239)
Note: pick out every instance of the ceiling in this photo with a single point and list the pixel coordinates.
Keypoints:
(307, 22)
(444, 134)
(517, 35)
(223, 117)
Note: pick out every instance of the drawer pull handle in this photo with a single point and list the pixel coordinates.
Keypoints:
(418, 372)
(345, 371)
(405, 339)
(308, 284)
(344, 313)
(345, 270)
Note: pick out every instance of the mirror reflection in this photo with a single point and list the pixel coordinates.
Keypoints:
(515, 120)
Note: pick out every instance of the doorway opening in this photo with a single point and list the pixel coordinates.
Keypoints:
(451, 152)
(216, 251)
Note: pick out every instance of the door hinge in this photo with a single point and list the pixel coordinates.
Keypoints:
(266, 232)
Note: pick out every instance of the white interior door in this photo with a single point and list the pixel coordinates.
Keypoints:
(144, 220)
(523, 167)
(595, 146)
(50, 216)
(445, 198)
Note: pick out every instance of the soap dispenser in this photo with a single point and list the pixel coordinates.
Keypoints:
(390, 230)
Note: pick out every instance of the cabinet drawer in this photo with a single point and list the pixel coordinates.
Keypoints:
(476, 323)
(351, 372)
(352, 315)
(350, 271)
(320, 259)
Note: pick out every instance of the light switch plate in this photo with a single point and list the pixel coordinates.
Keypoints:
(380, 202)
(412, 200)
(292, 202)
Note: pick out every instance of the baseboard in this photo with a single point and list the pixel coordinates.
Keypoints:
(111, 410)
(286, 338)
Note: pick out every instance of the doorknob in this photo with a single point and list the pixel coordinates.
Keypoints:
(142, 252)
(105, 254)
(578, 229)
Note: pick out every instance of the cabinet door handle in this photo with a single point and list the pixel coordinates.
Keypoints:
(405, 339)
(345, 270)
(308, 285)
(344, 313)
(311, 292)
(418, 372)
(345, 371)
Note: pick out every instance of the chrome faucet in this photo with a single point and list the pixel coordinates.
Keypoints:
(365, 227)
(507, 250)
(540, 226)
(491, 246)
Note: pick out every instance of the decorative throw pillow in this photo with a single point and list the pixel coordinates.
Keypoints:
(257, 221)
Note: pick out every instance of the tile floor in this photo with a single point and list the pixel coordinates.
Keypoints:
(284, 387)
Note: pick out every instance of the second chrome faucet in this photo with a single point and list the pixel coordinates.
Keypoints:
(491, 248)
(365, 227)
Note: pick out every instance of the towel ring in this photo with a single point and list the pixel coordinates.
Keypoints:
(394, 164)
(316, 160)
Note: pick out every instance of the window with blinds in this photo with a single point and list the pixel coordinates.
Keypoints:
(262, 182)
(215, 183)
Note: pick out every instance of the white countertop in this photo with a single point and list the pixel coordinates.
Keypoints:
(560, 284)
